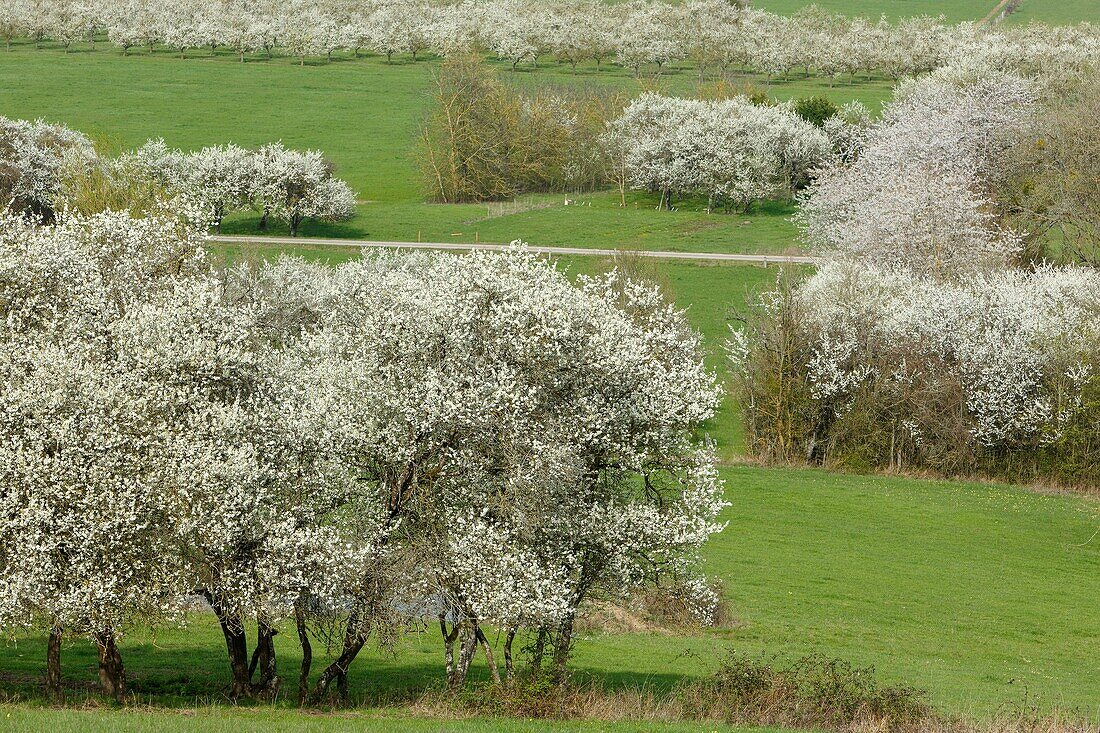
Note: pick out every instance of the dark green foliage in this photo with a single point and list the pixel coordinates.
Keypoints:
(815, 110)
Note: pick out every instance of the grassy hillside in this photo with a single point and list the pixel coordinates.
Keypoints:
(365, 115)
(1057, 11)
(955, 11)
(983, 595)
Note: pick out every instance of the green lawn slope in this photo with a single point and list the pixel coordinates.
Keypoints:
(983, 595)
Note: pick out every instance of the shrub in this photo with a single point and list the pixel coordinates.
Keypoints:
(868, 368)
(815, 110)
(814, 692)
(486, 141)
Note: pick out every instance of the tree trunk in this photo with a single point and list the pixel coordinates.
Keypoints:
(53, 664)
(448, 647)
(489, 658)
(466, 655)
(295, 222)
(112, 676)
(562, 648)
(236, 644)
(307, 654)
(509, 668)
(539, 650)
(338, 670)
(263, 659)
(666, 200)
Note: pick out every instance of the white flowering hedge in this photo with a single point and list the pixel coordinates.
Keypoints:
(731, 152)
(471, 440)
(41, 164)
(712, 34)
(919, 343)
(32, 155)
(995, 373)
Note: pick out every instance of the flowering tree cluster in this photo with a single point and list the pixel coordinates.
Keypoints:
(289, 185)
(918, 192)
(712, 34)
(474, 440)
(46, 167)
(918, 341)
(32, 155)
(896, 368)
(731, 151)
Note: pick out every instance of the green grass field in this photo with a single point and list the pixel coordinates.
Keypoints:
(221, 720)
(983, 595)
(955, 11)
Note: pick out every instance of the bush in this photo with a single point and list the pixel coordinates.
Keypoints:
(871, 369)
(814, 692)
(815, 110)
(104, 184)
(532, 694)
(486, 141)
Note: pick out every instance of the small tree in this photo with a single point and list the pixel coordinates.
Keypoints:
(293, 186)
(32, 156)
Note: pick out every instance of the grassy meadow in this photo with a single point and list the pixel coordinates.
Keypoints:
(955, 11)
(983, 595)
(222, 720)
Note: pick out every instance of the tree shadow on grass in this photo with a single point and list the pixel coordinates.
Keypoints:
(176, 672)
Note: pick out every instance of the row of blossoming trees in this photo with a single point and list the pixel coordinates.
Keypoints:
(712, 34)
(929, 337)
(467, 441)
(48, 167)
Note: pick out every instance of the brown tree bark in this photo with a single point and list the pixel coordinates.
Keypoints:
(112, 675)
(562, 648)
(236, 645)
(539, 650)
(466, 653)
(53, 665)
(337, 672)
(489, 658)
(307, 654)
(263, 660)
(449, 637)
(509, 668)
